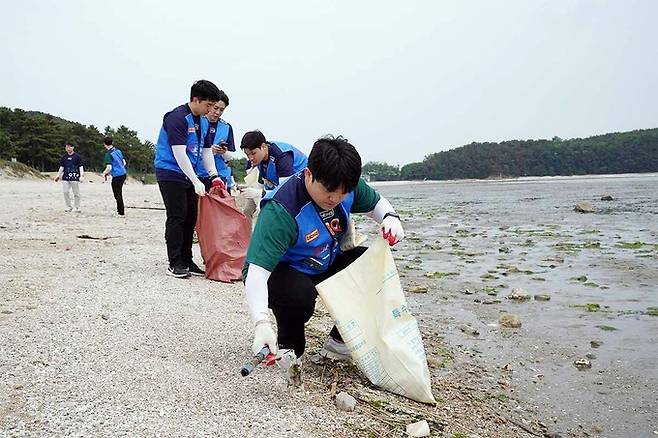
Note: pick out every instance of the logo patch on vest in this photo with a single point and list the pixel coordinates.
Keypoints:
(312, 235)
(191, 130)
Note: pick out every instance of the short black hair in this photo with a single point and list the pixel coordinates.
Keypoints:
(252, 140)
(335, 163)
(223, 97)
(107, 141)
(68, 143)
(204, 90)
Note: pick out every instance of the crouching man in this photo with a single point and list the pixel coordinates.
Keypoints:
(296, 245)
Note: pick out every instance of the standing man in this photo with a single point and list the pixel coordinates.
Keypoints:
(71, 170)
(180, 154)
(296, 245)
(220, 137)
(115, 165)
(276, 160)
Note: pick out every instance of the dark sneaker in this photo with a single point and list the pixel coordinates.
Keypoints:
(195, 270)
(178, 271)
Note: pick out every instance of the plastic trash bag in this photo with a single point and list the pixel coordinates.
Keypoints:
(371, 313)
(223, 233)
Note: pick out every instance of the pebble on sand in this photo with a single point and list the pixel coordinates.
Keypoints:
(584, 207)
(509, 320)
(418, 429)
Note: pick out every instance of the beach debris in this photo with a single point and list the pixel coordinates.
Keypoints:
(518, 294)
(418, 289)
(508, 368)
(469, 330)
(345, 402)
(87, 236)
(607, 197)
(504, 249)
(582, 364)
(542, 297)
(584, 207)
(509, 320)
(418, 429)
(590, 356)
(468, 292)
(595, 344)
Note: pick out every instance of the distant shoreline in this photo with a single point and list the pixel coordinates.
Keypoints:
(520, 179)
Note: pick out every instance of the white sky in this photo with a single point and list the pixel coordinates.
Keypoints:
(399, 79)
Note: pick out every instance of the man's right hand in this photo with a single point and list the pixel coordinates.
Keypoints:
(264, 335)
(199, 188)
(251, 192)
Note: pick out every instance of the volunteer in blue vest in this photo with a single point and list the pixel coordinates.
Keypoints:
(180, 153)
(276, 161)
(115, 165)
(220, 137)
(71, 170)
(296, 245)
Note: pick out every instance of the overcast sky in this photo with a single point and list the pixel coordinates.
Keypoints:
(400, 79)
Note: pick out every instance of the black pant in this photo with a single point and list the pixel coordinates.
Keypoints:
(292, 295)
(117, 189)
(181, 204)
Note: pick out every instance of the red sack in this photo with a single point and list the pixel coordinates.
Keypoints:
(223, 233)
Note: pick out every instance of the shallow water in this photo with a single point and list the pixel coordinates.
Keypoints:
(472, 242)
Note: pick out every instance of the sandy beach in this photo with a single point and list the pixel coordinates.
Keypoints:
(95, 340)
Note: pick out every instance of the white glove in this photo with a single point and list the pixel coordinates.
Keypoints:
(251, 192)
(199, 188)
(263, 335)
(392, 230)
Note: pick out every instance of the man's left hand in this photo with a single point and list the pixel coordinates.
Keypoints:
(217, 182)
(392, 230)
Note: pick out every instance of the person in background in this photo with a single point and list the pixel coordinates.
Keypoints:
(180, 152)
(296, 245)
(276, 161)
(71, 171)
(115, 165)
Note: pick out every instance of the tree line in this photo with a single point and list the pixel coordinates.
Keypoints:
(37, 139)
(620, 152)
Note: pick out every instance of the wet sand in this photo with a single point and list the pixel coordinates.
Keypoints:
(472, 243)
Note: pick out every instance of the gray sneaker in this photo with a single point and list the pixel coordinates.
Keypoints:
(336, 350)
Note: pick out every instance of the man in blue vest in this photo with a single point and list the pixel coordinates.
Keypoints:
(296, 245)
(180, 153)
(220, 137)
(115, 165)
(276, 161)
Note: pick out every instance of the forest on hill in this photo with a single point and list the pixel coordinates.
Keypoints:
(37, 139)
(620, 152)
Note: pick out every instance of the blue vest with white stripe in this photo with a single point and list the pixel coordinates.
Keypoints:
(270, 176)
(316, 248)
(118, 169)
(164, 155)
(220, 136)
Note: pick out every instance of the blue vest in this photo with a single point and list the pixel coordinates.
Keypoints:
(268, 170)
(316, 248)
(118, 169)
(220, 136)
(164, 156)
